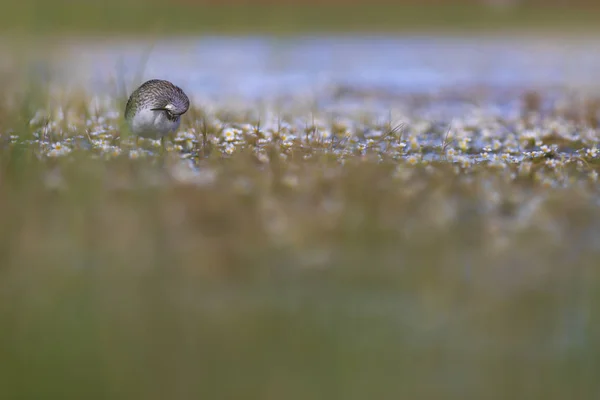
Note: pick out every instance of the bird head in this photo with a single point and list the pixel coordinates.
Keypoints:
(174, 109)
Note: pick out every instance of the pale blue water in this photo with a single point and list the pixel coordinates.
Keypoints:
(259, 67)
(254, 68)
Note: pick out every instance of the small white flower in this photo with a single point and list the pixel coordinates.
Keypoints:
(325, 134)
(229, 135)
(185, 135)
(58, 151)
(218, 125)
(134, 154)
(414, 144)
(592, 153)
(413, 160)
(229, 148)
(115, 151)
(465, 162)
(263, 141)
(286, 136)
(215, 140)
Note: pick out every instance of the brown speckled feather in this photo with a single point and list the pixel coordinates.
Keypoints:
(156, 93)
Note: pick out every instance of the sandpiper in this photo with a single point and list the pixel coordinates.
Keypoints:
(155, 108)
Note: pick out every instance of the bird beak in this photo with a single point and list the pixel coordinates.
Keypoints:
(166, 109)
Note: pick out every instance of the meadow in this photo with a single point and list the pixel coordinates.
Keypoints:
(299, 255)
(358, 243)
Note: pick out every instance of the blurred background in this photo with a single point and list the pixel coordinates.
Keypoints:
(194, 16)
(121, 295)
(263, 49)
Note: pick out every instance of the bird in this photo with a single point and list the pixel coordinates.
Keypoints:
(155, 108)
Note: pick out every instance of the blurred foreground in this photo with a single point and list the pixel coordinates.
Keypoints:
(270, 259)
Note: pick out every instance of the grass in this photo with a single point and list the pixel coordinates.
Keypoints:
(63, 17)
(288, 269)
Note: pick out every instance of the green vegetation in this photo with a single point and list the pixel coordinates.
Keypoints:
(259, 258)
(286, 273)
(189, 17)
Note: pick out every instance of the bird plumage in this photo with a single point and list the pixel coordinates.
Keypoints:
(154, 109)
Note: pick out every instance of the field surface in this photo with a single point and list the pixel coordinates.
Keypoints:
(339, 216)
